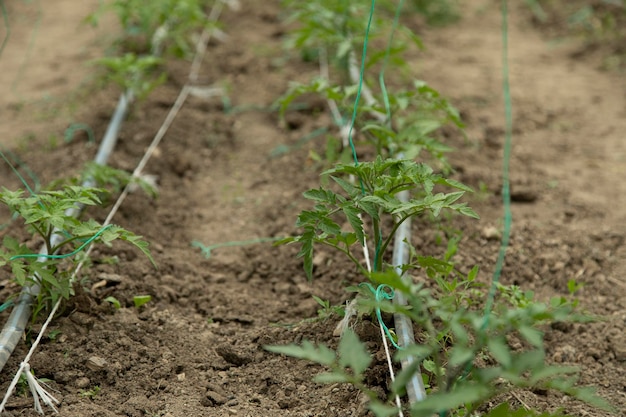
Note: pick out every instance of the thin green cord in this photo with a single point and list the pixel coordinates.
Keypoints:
(67, 255)
(206, 250)
(5, 18)
(16, 172)
(382, 292)
(381, 76)
(506, 192)
(381, 80)
(360, 87)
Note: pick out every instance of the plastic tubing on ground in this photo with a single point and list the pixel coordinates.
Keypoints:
(404, 327)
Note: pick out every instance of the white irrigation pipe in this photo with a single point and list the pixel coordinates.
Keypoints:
(404, 327)
(415, 389)
(17, 325)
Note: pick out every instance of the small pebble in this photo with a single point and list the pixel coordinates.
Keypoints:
(490, 233)
(82, 382)
(96, 363)
(231, 356)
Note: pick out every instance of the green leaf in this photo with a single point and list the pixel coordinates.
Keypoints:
(352, 353)
(467, 211)
(549, 372)
(471, 276)
(460, 355)
(114, 301)
(320, 354)
(320, 195)
(532, 335)
(306, 252)
(464, 393)
(335, 377)
(326, 225)
(352, 214)
(351, 189)
(140, 300)
(382, 410)
(499, 350)
(405, 376)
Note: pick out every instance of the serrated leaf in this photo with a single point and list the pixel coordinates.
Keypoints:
(455, 184)
(464, 393)
(321, 195)
(468, 211)
(532, 335)
(460, 355)
(352, 214)
(351, 189)
(499, 350)
(382, 410)
(352, 353)
(306, 252)
(326, 225)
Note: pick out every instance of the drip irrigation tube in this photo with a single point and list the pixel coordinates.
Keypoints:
(404, 328)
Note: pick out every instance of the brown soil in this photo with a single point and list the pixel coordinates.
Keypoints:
(196, 348)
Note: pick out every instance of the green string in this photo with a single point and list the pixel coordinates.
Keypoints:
(506, 192)
(383, 87)
(360, 87)
(381, 76)
(67, 255)
(206, 250)
(16, 172)
(5, 18)
(382, 292)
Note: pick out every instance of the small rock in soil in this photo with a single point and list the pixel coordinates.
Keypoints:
(490, 233)
(564, 354)
(231, 356)
(524, 195)
(619, 348)
(96, 363)
(214, 396)
(81, 383)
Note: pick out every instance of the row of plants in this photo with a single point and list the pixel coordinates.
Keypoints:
(599, 24)
(54, 215)
(163, 28)
(465, 354)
